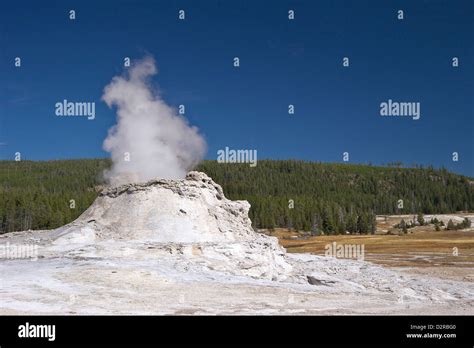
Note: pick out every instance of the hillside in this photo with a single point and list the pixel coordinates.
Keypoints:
(304, 195)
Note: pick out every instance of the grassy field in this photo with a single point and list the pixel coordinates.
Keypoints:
(421, 247)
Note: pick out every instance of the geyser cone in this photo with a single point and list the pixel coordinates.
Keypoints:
(193, 210)
(188, 217)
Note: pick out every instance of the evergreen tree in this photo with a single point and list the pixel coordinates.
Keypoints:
(328, 223)
(403, 226)
(351, 223)
(450, 225)
(316, 226)
(420, 219)
(341, 226)
(362, 223)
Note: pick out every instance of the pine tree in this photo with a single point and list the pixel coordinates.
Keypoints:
(403, 226)
(341, 227)
(315, 228)
(351, 223)
(328, 223)
(450, 225)
(362, 223)
(420, 219)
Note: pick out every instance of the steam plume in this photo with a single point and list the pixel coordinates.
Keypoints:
(150, 140)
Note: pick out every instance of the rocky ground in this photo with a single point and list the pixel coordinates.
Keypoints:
(180, 247)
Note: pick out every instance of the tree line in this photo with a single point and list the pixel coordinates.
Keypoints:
(318, 197)
(336, 198)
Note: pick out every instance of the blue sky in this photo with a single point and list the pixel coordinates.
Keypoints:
(282, 62)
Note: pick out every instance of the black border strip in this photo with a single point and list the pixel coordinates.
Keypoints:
(243, 330)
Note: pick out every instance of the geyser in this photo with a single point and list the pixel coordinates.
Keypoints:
(150, 140)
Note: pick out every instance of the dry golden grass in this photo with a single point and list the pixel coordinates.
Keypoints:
(422, 247)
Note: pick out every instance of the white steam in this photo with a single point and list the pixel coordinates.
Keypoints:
(150, 139)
